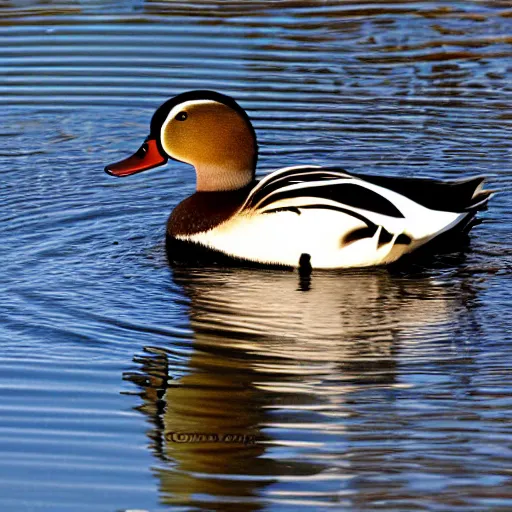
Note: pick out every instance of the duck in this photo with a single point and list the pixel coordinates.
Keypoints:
(302, 216)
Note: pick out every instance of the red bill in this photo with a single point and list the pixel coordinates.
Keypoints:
(147, 157)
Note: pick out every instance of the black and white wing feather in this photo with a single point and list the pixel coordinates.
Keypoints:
(311, 187)
(419, 208)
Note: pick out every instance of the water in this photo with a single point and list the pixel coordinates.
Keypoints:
(127, 385)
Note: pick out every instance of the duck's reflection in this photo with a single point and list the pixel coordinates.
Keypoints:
(274, 361)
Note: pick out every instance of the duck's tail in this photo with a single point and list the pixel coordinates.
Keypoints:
(477, 201)
(479, 197)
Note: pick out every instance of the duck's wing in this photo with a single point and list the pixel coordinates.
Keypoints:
(421, 208)
(316, 187)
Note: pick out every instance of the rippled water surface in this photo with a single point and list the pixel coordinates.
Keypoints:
(127, 385)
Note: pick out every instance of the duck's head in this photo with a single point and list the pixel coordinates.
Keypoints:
(205, 129)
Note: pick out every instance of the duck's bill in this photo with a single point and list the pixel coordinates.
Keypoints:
(147, 157)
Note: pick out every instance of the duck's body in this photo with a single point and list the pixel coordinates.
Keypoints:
(298, 216)
(334, 218)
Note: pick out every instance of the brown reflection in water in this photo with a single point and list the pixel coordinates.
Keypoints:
(207, 428)
(266, 341)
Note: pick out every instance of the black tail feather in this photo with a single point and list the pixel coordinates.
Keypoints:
(449, 196)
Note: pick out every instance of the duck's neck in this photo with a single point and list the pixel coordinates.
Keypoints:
(210, 178)
(203, 211)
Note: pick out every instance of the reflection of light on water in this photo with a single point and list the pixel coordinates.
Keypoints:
(265, 312)
(274, 370)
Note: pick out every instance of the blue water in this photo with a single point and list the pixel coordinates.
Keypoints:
(127, 385)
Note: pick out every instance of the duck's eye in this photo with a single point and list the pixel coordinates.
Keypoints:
(181, 116)
(141, 152)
